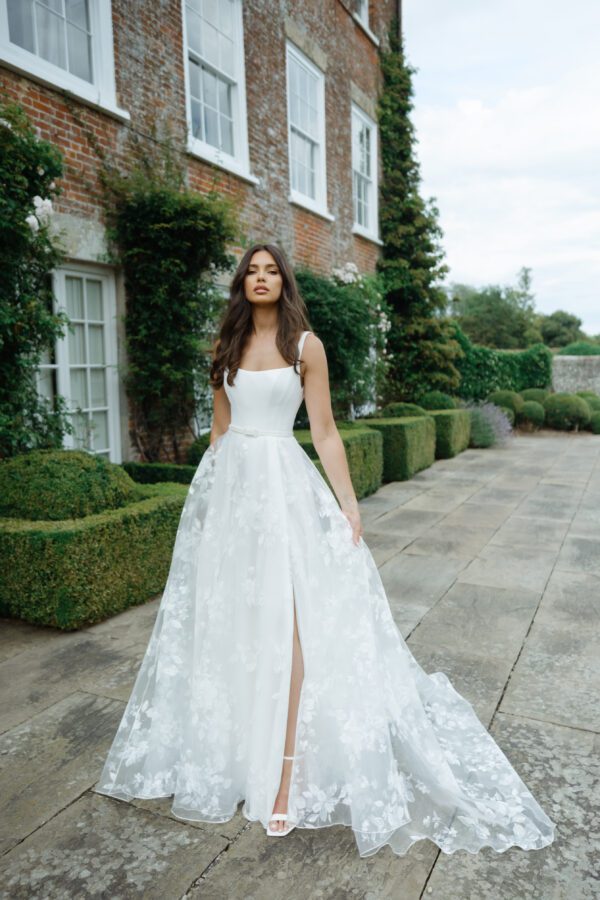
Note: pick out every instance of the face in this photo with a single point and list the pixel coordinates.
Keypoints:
(263, 281)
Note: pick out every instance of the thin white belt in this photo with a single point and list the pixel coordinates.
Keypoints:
(259, 431)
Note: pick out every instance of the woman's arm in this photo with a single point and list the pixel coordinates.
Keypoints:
(221, 414)
(323, 430)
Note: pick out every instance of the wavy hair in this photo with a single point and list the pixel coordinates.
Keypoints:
(236, 325)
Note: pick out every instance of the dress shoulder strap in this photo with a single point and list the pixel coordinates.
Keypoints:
(301, 342)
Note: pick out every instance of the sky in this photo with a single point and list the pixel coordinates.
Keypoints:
(507, 115)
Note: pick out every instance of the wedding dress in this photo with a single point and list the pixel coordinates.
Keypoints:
(394, 753)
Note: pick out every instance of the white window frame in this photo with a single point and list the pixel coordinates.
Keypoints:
(371, 233)
(361, 16)
(102, 93)
(61, 365)
(239, 164)
(317, 205)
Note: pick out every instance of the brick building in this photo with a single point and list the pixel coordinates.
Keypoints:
(276, 103)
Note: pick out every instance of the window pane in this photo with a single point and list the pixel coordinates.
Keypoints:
(51, 37)
(226, 55)
(194, 73)
(100, 430)
(77, 13)
(226, 17)
(46, 383)
(74, 288)
(76, 345)
(96, 343)
(81, 425)
(210, 12)
(98, 387)
(224, 98)
(79, 391)
(80, 53)
(196, 120)
(194, 31)
(20, 24)
(211, 127)
(209, 83)
(210, 44)
(227, 135)
(94, 299)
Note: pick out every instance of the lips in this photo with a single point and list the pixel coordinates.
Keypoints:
(261, 290)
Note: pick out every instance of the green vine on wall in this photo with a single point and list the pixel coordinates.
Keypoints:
(28, 254)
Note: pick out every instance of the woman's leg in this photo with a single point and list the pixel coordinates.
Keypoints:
(296, 679)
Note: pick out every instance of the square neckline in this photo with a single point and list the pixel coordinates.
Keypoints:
(256, 371)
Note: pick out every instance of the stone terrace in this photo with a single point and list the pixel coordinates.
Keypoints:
(491, 562)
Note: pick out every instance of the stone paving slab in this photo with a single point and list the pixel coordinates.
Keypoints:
(562, 769)
(100, 847)
(50, 760)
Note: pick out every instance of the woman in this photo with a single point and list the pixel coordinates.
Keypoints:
(275, 673)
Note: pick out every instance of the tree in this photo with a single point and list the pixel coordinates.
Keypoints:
(497, 316)
(560, 328)
(421, 346)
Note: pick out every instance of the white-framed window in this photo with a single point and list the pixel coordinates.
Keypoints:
(83, 365)
(306, 132)
(64, 43)
(361, 11)
(215, 83)
(364, 174)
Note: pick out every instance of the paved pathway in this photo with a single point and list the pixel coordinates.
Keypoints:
(492, 566)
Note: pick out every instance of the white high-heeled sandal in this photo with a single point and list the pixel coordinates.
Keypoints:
(280, 817)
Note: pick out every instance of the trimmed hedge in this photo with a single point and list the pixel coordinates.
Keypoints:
(531, 416)
(483, 370)
(509, 399)
(436, 400)
(402, 411)
(595, 423)
(408, 445)
(509, 413)
(580, 348)
(62, 484)
(536, 394)
(75, 572)
(364, 452)
(154, 473)
(566, 412)
(452, 431)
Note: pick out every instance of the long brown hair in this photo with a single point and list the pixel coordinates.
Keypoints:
(236, 325)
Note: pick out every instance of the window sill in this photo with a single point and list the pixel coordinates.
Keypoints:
(366, 29)
(211, 155)
(52, 77)
(367, 235)
(311, 206)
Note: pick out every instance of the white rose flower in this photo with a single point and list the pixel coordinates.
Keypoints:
(33, 223)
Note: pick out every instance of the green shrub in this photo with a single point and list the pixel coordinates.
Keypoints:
(452, 432)
(483, 370)
(436, 400)
(531, 416)
(509, 413)
(155, 473)
(566, 412)
(482, 429)
(510, 399)
(586, 394)
(364, 452)
(580, 348)
(593, 403)
(402, 410)
(197, 449)
(62, 484)
(536, 394)
(73, 573)
(595, 423)
(408, 445)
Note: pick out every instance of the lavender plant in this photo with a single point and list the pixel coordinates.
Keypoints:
(490, 426)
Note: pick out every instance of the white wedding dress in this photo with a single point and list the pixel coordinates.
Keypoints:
(394, 753)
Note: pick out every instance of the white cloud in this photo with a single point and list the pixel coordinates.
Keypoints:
(506, 102)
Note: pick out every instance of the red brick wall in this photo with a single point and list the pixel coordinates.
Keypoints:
(149, 72)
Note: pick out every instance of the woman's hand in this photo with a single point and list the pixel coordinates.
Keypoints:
(353, 515)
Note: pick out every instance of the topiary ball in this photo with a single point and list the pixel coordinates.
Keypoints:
(399, 410)
(62, 484)
(537, 394)
(531, 416)
(511, 399)
(509, 413)
(592, 402)
(436, 400)
(566, 412)
(595, 423)
(586, 394)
